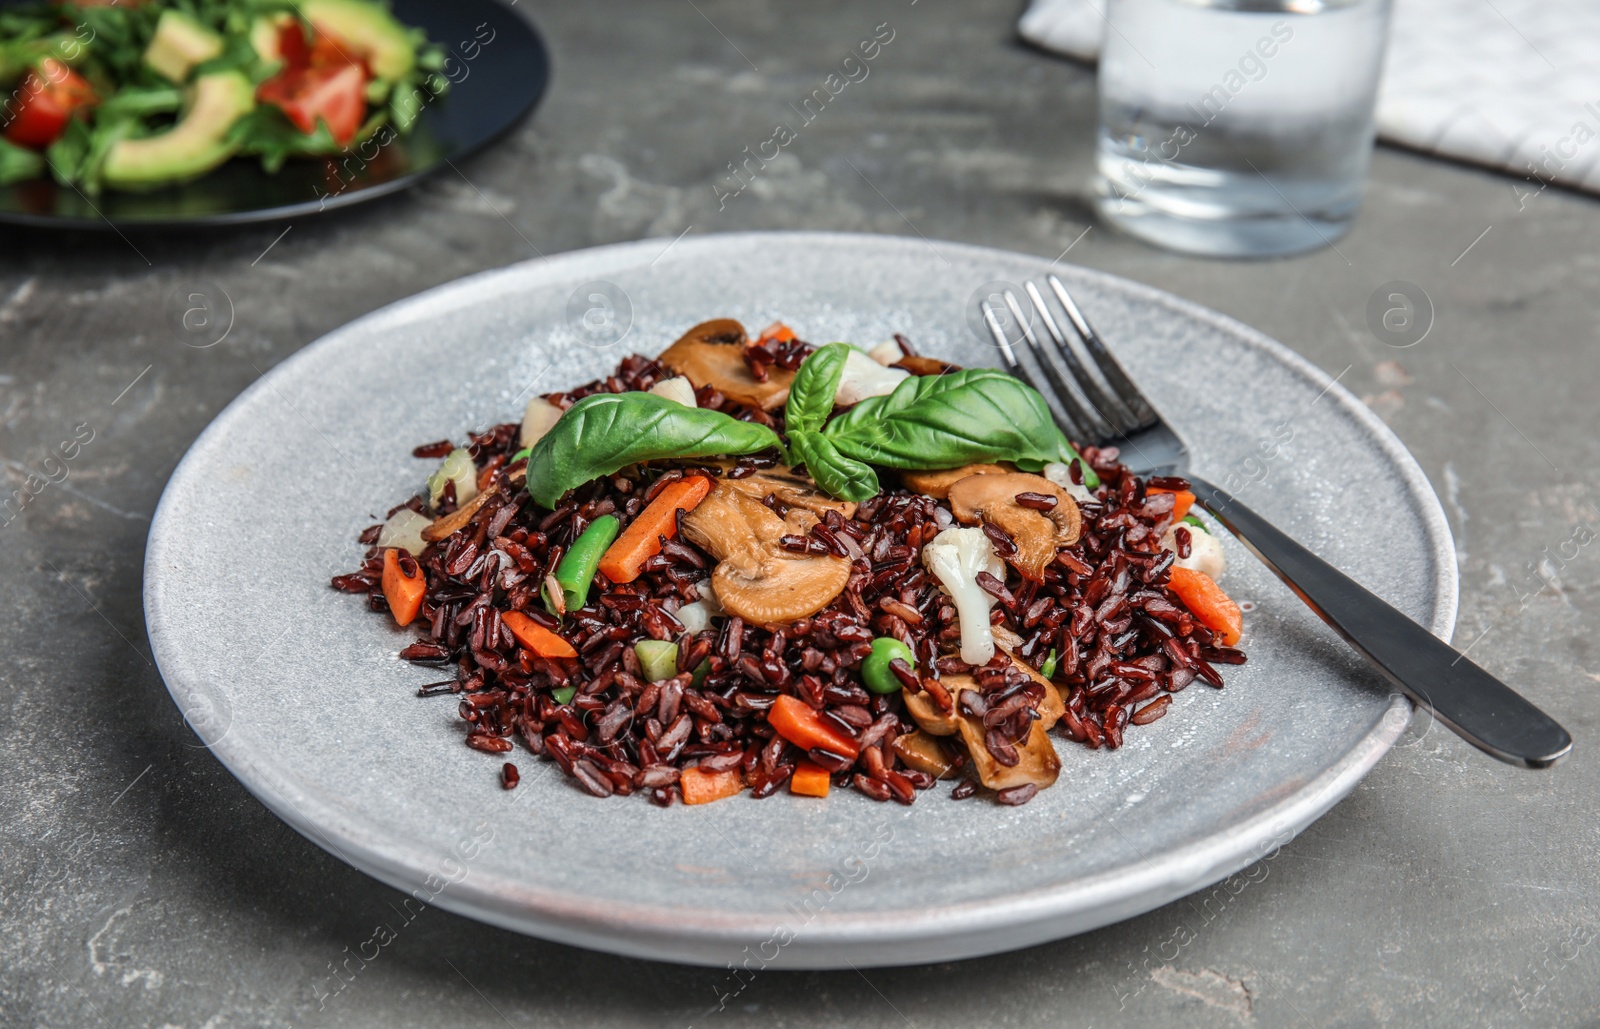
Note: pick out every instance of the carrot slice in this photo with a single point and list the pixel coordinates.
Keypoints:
(624, 560)
(803, 727)
(776, 331)
(1215, 609)
(536, 637)
(704, 787)
(403, 592)
(1184, 500)
(809, 780)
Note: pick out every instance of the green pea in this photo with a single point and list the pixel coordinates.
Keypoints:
(578, 566)
(1048, 669)
(563, 694)
(875, 669)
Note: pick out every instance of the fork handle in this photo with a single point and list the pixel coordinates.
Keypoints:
(1474, 704)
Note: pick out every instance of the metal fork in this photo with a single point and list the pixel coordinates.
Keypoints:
(1105, 408)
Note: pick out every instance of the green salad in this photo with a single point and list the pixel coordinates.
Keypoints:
(136, 94)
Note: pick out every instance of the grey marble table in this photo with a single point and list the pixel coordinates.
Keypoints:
(140, 885)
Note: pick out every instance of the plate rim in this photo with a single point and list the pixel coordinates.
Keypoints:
(305, 208)
(833, 940)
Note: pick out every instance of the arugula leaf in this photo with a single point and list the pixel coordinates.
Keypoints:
(68, 154)
(267, 133)
(814, 387)
(945, 421)
(838, 475)
(140, 102)
(18, 164)
(603, 433)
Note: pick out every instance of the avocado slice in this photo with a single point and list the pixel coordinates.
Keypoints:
(194, 146)
(370, 30)
(264, 32)
(179, 44)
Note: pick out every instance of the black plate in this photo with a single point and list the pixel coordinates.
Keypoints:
(494, 84)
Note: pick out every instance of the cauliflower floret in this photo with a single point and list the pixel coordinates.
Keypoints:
(1205, 550)
(863, 377)
(677, 388)
(955, 557)
(1061, 474)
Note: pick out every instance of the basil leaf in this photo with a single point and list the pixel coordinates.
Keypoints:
(814, 387)
(603, 433)
(836, 474)
(945, 421)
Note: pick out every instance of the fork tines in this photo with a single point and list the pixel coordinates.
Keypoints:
(1101, 404)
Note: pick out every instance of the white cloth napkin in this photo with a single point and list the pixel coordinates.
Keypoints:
(1513, 85)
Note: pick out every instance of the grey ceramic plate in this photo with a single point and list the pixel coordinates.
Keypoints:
(309, 707)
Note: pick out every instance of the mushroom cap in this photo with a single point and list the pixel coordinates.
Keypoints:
(756, 579)
(767, 586)
(936, 484)
(729, 521)
(712, 354)
(1038, 534)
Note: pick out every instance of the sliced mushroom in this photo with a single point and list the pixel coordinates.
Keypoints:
(932, 720)
(917, 365)
(793, 489)
(924, 753)
(1038, 762)
(457, 519)
(712, 354)
(756, 579)
(1038, 534)
(936, 484)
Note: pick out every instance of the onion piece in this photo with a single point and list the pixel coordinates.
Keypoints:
(863, 377)
(1061, 474)
(457, 468)
(538, 418)
(404, 530)
(676, 388)
(887, 353)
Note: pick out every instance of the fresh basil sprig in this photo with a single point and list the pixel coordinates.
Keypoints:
(806, 412)
(814, 386)
(607, 431)
(838, 475)
(945, 421)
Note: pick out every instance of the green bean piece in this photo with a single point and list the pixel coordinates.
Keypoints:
(875, 669)
(1091, 481)
(1048, 669)
(578, 566)
(563, 694)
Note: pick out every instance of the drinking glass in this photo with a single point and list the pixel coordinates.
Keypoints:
(1239, 128)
